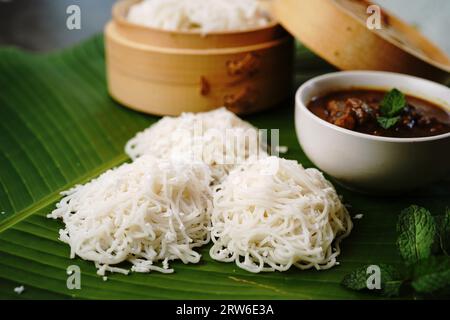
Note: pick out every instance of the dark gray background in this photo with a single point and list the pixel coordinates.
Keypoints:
(40, 25)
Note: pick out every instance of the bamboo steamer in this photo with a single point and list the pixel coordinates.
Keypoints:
(337, 31)
(167, 73)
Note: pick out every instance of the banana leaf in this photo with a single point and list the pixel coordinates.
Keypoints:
(59, 128)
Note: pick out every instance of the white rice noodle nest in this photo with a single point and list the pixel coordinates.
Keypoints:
(218, 138)
(204, 16)
(145, 212)
(271, 213)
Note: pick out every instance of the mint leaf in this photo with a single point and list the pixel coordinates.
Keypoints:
(417, 230)
(356, 280)
(390, 107)
(444, 232)
(393, 103)
(390, 283)
(432, 274)
(386, 123)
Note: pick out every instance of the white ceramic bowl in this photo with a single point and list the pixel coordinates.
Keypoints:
(367, 163)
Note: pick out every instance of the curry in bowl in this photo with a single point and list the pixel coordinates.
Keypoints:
(380, 113)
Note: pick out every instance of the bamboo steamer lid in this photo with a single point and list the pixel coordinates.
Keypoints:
(337, 31)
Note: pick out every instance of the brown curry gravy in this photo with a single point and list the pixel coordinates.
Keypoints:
(357, 110)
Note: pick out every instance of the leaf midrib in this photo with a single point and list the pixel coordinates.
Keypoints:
(55, 195)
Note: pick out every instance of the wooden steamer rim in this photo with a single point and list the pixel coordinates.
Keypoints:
(192, 39)
(336, 30)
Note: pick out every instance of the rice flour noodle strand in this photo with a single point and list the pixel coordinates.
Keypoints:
(145, 212)
(270, 214)
(219, 138)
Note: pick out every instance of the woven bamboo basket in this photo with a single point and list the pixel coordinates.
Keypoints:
(167, 73)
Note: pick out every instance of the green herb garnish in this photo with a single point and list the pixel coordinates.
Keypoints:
(424, 244)
(391, 280)
(386, 123)
(393, 103)
(390, 107)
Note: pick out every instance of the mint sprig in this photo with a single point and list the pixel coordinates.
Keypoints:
(390, 107)
(391, 280)
(425, 269)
